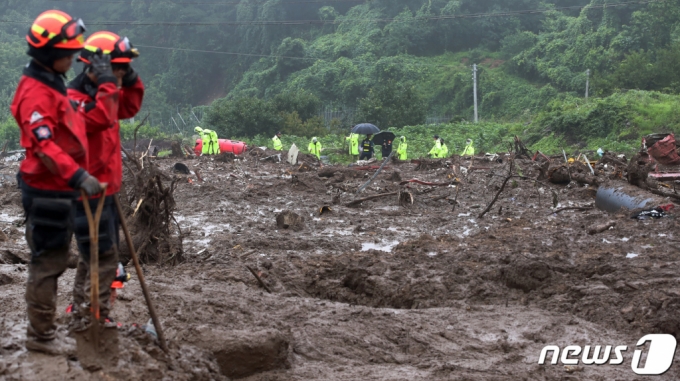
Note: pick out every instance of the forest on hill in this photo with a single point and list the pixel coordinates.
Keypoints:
(313, 67)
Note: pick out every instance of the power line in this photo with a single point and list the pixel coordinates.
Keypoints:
(212, 2)
(275, 56)
(343, 20)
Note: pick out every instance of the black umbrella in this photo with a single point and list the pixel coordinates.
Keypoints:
(365, 129)
(380, 137)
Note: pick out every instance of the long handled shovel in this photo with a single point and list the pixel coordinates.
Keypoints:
(140, 275)
(93, 223)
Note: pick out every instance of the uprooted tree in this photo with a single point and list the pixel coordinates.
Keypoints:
(149, 205)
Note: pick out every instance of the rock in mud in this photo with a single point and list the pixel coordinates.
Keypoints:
(559, 175)
(181, 168)
(290, 220)
(525, 275)
(226, 157)
(243, 353)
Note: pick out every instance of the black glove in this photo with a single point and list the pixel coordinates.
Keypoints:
(89, 184)
(130, 77)
(100, 66)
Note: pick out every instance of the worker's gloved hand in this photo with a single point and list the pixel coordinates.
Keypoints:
(130, 77)
(100, 66)
(90, 185)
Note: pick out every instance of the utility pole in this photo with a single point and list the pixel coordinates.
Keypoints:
(474, 78)
(587, 82)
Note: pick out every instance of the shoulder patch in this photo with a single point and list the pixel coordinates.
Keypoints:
(35, 117)
(42, 133)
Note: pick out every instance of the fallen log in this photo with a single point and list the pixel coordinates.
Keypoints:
(428, 183)
(360, 200)
(571, 208)
(585, 178)
(602, 227)
(674, 196)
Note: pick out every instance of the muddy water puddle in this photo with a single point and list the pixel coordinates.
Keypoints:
(382, 246)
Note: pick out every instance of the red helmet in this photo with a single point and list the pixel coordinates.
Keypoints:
(56, 29)
(120, 49)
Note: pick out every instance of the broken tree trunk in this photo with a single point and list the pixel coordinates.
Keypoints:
(559, 174)
(600, 228)
(360, 200)
(585, 179)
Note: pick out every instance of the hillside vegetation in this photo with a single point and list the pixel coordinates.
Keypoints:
(250, 68)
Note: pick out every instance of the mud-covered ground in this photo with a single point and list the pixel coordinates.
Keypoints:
(378, 291)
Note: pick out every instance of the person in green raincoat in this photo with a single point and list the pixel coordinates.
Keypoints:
(401, 150)
(315, 148)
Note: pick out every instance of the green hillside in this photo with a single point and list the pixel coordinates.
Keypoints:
(310, 68)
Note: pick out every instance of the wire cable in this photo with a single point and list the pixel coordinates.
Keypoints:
(212, 2)
(344, 20)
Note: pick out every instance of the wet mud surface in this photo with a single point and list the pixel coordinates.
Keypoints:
(380, 291)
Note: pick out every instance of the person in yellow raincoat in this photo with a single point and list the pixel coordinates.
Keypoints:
(444, 150)
(315, 148)
(436, 150)
(353, 140)
(204, 134)
(278, 146)
(214, 143)
(401, 150)
(469, 149)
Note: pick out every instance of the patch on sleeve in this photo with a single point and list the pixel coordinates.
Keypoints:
(36, 117)
(42, 133)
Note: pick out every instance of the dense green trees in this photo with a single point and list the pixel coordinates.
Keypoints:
(270, 65)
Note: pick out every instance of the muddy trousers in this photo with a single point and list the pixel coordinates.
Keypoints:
(108, 263)
(41, 290)
(108, 258)
(48, 234)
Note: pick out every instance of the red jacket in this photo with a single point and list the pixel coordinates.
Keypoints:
(105, 161)
(51, 129)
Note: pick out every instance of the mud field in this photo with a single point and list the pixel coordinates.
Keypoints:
(410, 286)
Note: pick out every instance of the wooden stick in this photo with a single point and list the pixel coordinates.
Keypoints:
(134, 149)
(359, 201)
(481, 215)
(93, 224)
(259, 280)
(140, 275)
(375, 174)
(572, 208)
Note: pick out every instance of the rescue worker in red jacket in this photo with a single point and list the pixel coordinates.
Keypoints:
(105, 163)
(53, 134)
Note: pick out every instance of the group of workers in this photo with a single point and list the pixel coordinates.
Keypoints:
(314, 147)
(72, 141)
(366, 148)
(210, 142)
